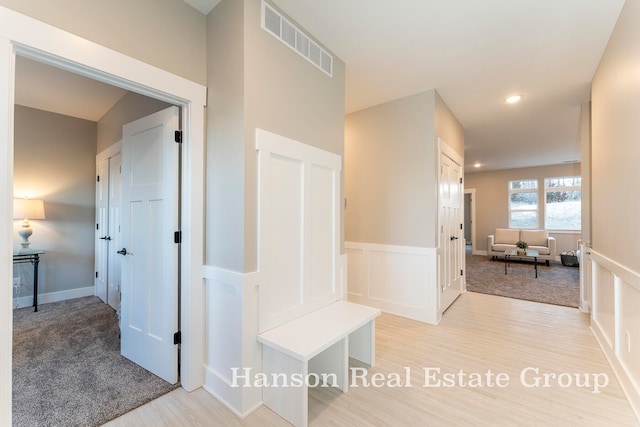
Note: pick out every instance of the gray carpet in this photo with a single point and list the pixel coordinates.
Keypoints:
(67, 368)
(555, 284)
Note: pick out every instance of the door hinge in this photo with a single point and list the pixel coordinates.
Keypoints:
(98, 178)
(177, 237)
(461, 272)
(460, 180)
(177, 338)
(460, 226)
(178, 136)
(97, 226)
(96, 274)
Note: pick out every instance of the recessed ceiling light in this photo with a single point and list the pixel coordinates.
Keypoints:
(513, 99)
(476, 165)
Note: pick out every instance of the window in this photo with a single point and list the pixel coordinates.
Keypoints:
(562, 203)
(523, 203)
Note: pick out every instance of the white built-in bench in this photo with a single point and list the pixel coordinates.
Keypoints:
(320, 342)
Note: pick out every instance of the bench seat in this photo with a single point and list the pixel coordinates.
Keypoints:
(320, 342)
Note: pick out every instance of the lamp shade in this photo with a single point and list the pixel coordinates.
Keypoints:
(28, 209)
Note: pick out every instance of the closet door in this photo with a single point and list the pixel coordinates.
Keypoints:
(102, 227)
(108, 213)
(113, 260)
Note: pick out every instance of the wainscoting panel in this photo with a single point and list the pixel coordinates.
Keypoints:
(395, 279)
(604, 301)
(615, 321)
(629, 331)
(322, 239)
(282, 251)
(299, 229)
(230, 329)
(357, 276)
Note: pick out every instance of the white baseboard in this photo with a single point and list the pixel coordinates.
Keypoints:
(231, 397)
(584, 307)
(27, 301)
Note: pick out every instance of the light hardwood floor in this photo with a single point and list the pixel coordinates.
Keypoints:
(477, 334)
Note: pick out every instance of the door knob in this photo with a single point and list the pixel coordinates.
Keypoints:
(105, 238)
(123, 251)
(454, 238)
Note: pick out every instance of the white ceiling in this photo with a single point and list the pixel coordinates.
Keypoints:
(475, 53)
(204, 6)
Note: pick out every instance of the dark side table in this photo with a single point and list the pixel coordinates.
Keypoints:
(32, 256)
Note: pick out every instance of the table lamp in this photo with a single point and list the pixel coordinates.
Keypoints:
(26, 209)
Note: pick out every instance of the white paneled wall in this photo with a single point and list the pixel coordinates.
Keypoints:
(230, 330)
(299, 264)
(299, 229)
(397, 279)
(615, 320)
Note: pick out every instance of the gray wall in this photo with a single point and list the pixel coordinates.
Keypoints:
(492, 200)
(286, 95)
(255, 81)
(390, 170)
(224, 216)
(55, 161)
(447, 126)
(130, 107)
(615, 102)
(166, 33)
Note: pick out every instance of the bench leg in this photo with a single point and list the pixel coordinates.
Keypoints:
(362, 344)
(291, 403)
(332, 364)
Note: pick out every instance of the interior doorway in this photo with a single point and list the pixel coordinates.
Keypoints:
(450, 201)
(108, 227)
(470, 219)
(38, 41)
(59, 138)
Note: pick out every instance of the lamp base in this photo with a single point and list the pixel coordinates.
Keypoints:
(25, 232)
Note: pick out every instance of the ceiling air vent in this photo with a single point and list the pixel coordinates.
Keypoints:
(278, 26)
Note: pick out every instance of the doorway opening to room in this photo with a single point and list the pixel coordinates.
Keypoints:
(469, 220)
(543, 212)
(102, 64)
(55, 146)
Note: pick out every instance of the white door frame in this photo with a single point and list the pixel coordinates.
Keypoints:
(446, 150)
(28, 37)
(472, 191)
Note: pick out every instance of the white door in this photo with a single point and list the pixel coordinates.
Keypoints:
(108, 202)
(113, 241)
(451, 232)
(102, 227)
(149, 255)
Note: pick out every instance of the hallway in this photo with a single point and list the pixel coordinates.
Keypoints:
(481, 336)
